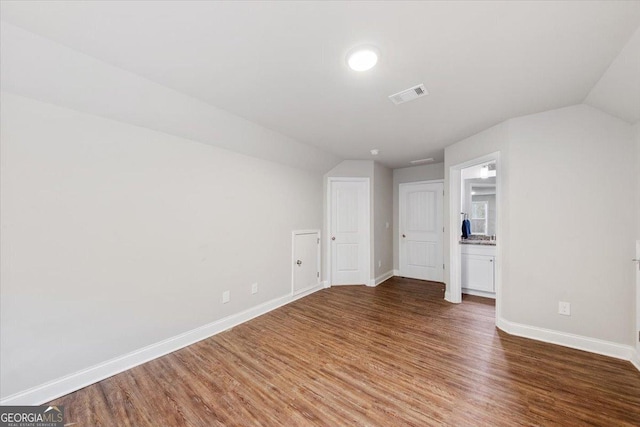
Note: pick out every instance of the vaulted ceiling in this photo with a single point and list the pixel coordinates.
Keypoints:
(282, 64)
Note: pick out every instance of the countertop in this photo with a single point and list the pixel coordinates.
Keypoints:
(483, 242)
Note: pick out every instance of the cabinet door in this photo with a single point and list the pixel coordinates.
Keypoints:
(477, 272)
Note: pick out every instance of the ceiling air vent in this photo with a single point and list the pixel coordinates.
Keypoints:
(409, 94)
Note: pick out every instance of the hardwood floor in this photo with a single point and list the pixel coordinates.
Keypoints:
(395, 355)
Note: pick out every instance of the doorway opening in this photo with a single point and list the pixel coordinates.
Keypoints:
(476, 203)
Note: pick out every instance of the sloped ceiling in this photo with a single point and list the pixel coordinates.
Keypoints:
(282, 64)
(39, 68)
(618, 91)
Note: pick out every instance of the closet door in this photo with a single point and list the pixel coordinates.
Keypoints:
(349, 231)
(421, 231)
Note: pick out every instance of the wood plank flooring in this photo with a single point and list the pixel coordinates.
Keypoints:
(394, 355)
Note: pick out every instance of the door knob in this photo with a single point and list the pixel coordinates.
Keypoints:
(404, 235)
(299, 262)
(333, 238)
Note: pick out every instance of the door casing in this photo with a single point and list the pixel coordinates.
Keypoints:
(454, 276)
(367, 225)
(401, 252)
(637, 330)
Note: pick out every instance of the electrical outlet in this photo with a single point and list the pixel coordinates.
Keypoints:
(564, 308)
(254, 288)
(379, 263)
(226, 296)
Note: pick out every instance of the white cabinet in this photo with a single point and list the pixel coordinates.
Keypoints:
(478, 272)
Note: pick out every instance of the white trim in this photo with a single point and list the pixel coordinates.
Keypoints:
(309, 231)
(453, 292)
(385, 276)
(484, 294)
(400, 224)
(367, 266)
(70, 383)
(636, 329)
(429, 181)
(635, 359)
(295, 233)
(580, 342)
(308, 288)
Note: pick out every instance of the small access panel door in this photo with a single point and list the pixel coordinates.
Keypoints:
(306, 260)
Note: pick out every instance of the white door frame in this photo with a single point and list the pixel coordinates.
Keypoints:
(367, 265)
(293, 259)
(402, 185)
(454, 283)
(636, 338)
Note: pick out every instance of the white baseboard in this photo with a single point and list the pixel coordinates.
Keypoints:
(70, 383)
(326, 284)
(385, 276)
(635, 359)
(396, 272)
(319, 285)
(593, 345)
(479, 293)
(448, 296)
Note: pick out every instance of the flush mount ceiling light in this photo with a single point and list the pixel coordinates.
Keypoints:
(375, 152)
(362, 58)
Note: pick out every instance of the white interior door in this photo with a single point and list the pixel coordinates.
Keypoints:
(306, 260)
(421, 231)
(349, 232)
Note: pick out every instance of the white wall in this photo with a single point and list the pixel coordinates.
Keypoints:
(382, 220)
(115, 237)
(123, 216)
(494, 139)
(41, 69)
(571, 244)
(352, 168)
(618, 90)
(404, 175)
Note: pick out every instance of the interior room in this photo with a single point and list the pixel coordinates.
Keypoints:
(478, 238)
(320, 213)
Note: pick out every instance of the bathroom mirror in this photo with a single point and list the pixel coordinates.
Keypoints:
(480, 197)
